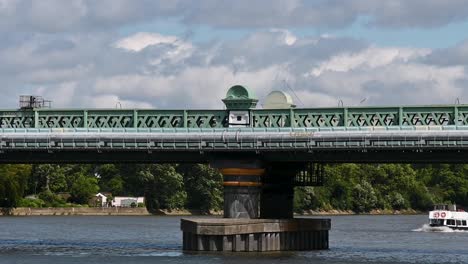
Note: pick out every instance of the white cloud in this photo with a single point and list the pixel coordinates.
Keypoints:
(141, 40)
(369, 58)
(288, 37)
(154, 70)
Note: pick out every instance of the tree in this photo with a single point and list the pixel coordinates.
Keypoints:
(49, 177)
(83, 188)
(13, 183)
(364, 198)
(164, 187)
(306, 198)
(110, 179)
(203, 186)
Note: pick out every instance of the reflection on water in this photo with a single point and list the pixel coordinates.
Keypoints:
(353, 239)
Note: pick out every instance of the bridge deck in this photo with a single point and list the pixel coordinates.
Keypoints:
(405, 144)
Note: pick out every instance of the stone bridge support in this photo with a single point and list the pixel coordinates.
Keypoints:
(242, 181)
(258, 212)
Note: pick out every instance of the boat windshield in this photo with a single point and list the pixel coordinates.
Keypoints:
(441, 207)
(437, 222)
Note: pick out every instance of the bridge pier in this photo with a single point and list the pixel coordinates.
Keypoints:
(258, 213)
(277, 198)
(242, 187)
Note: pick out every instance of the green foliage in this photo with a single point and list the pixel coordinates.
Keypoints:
(110, 179)
(33, 203)
(13, 183)
(364, 198)
(51, 200)
(305, 198)
(83, 189)
(164, 187)
(203, 187)
(396, 201)
(359, 187)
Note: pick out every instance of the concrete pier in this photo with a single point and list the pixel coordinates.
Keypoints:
(255, 235)
(242, 187)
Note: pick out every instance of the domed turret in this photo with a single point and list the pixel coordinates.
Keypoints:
(278, 100)
(240, 97)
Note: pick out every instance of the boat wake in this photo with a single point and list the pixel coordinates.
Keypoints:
(443, 229)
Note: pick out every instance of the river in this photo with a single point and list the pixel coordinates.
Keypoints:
(156, 239)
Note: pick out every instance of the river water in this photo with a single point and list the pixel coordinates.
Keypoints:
(156, 239)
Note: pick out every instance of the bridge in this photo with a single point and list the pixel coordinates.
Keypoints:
(262, 153)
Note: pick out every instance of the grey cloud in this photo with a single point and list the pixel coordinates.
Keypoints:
(456, 55)
(87, 70)
(53, 16)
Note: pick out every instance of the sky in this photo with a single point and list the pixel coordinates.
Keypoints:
(186, 54)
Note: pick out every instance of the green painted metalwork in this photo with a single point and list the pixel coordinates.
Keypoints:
(240, 98)
(398, 116)
(17, 119)
(319, 117)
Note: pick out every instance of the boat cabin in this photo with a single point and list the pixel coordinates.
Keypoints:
(449, 216)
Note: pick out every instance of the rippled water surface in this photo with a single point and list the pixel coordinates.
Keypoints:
(148, 239)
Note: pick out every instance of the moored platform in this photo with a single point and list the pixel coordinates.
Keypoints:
(255, 235)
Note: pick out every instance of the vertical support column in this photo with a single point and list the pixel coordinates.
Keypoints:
(277, 198)
(85, 119)
(400, 116)
(185, 121)
(36, 118)
(242, 188)
(135, 118)
(345, 117)
(292, 121)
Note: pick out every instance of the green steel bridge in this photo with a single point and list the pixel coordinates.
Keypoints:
(341, 134)
(262, 153)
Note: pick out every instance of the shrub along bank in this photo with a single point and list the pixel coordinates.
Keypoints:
(357, 187)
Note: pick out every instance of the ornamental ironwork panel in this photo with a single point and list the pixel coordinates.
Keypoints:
(160, 119)
(372, 117)
(271, 118)
(110, 119)
(426, 117)
(462, 118)
(318, 117)
(49, 119)
(207, 119)
(17, 119)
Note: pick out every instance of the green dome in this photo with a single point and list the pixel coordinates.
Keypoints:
(240, 97)
(239, 92)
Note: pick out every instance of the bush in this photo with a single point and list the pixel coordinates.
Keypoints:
(396, 201)
(51, 200)
(364, 198)
(33, 203)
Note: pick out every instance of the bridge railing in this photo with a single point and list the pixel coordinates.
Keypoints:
(261, 118)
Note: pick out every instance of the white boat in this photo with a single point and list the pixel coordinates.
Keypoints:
(449, 216)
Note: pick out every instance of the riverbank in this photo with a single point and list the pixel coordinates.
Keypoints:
(97, 211)
(373, 212)
(25, 211)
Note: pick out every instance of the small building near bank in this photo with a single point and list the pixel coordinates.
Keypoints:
(123, 201)
(101, 200)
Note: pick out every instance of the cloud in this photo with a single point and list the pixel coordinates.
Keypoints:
(52, 16)
(141, 40)
(158, 70)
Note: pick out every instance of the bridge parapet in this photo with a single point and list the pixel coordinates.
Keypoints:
(294, 117)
